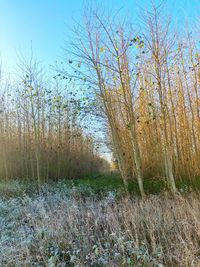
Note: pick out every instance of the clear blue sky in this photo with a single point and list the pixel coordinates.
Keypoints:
(46, 22)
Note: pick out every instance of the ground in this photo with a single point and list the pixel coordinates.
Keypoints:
(95, 222)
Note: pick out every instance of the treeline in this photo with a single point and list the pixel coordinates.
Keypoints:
(148, 82)
(40, 133)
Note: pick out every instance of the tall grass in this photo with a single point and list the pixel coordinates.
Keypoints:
(60, 228)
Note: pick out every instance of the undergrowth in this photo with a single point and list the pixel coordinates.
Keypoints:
(88, 222)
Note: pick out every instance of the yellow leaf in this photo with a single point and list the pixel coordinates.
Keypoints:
(102, 49)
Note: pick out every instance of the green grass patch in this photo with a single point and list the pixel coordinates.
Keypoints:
(100, 185)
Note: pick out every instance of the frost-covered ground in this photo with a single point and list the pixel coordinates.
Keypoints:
(60, 227)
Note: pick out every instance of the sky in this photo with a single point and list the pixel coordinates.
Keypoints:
(45, 25)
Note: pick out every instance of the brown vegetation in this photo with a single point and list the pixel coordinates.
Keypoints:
(40, 133)
(55, 230)
(148, 84)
